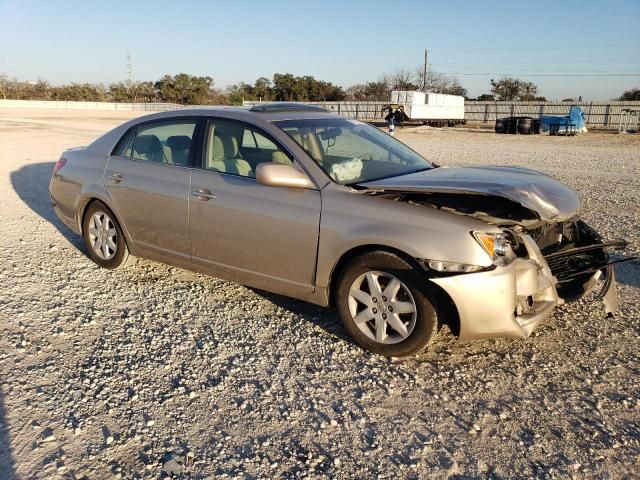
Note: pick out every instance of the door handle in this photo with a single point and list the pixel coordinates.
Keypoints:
(116, 178)
(203, 194)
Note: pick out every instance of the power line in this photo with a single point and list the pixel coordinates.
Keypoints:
(549, 74)
(568, 47)
(484, 64)
(555, 72)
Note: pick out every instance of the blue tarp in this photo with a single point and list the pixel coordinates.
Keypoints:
(575, 117)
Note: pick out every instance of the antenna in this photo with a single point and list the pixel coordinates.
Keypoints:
(129, 70)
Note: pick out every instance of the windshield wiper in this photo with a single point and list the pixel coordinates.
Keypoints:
(386, 177)
(418, 170)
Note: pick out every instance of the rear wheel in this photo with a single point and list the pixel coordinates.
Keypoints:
(103, 237)
(384, 305)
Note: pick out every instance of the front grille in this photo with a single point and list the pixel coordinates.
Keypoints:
(574, 252)
(574, 263)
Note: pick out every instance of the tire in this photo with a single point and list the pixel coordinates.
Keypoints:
(383, 268)
(502, 125)
(100, 244)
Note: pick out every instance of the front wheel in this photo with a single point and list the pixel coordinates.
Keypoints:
(103, 237)
(384, 305)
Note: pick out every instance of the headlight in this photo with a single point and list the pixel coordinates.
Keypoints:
(495, 244)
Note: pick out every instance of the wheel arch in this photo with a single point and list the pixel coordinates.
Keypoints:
(444, 305)
(84, 206)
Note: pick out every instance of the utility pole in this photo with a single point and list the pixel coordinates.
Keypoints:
(424, 73)
(3, 72)
(129, 71)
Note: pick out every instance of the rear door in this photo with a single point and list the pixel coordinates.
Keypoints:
(148, 180)
(262, 236)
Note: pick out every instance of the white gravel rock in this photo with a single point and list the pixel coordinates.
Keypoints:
(168, 358)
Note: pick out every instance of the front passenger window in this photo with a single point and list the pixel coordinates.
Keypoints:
(237, 149)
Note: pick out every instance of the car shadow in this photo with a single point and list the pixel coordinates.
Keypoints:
(7, 466)
(325, 318)
(31, 183)
(628, 273)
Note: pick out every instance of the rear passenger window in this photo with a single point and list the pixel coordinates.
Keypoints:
(264, 143)
(249, 139)
(167, 142)
(252, 139)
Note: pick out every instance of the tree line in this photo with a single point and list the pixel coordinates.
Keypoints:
(188, 89)
(196, 90)
(181, 88)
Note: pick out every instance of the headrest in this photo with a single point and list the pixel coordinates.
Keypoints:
(224, 129)
(224, 148)
(179, 142)
(147, 144)
(280, 157)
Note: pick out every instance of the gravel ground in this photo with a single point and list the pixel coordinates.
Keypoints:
(153, 371)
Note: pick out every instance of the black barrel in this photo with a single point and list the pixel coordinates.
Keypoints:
(535, 126)
(502, 125)
(514, 124)
(524, 126)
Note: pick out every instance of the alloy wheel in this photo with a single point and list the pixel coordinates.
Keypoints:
(103, 235)
(382, 307)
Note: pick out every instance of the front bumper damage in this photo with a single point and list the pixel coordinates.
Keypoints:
(511, 300)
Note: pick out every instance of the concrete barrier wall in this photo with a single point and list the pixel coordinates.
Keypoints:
(112, 106)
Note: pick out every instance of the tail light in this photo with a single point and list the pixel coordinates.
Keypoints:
(59, 164)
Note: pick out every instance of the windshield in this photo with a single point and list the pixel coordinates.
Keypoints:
(353, 152)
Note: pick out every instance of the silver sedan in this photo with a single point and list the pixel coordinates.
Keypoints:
(298, 201)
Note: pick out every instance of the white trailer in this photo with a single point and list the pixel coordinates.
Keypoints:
(429, 108)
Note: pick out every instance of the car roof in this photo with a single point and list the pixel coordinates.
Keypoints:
(262, 112)
(263, 118)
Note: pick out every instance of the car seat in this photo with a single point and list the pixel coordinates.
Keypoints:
(224, 155)
(180, 146)
(149, 147)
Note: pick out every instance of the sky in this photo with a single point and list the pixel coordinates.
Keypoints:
(344, 42)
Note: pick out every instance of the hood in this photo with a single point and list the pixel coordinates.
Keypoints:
(548, 198)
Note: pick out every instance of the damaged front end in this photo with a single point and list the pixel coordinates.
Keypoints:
(578, 258)
(550, 261)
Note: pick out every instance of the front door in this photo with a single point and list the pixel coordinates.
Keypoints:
(262, 236)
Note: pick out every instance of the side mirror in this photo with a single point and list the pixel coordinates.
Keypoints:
(281, 175)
